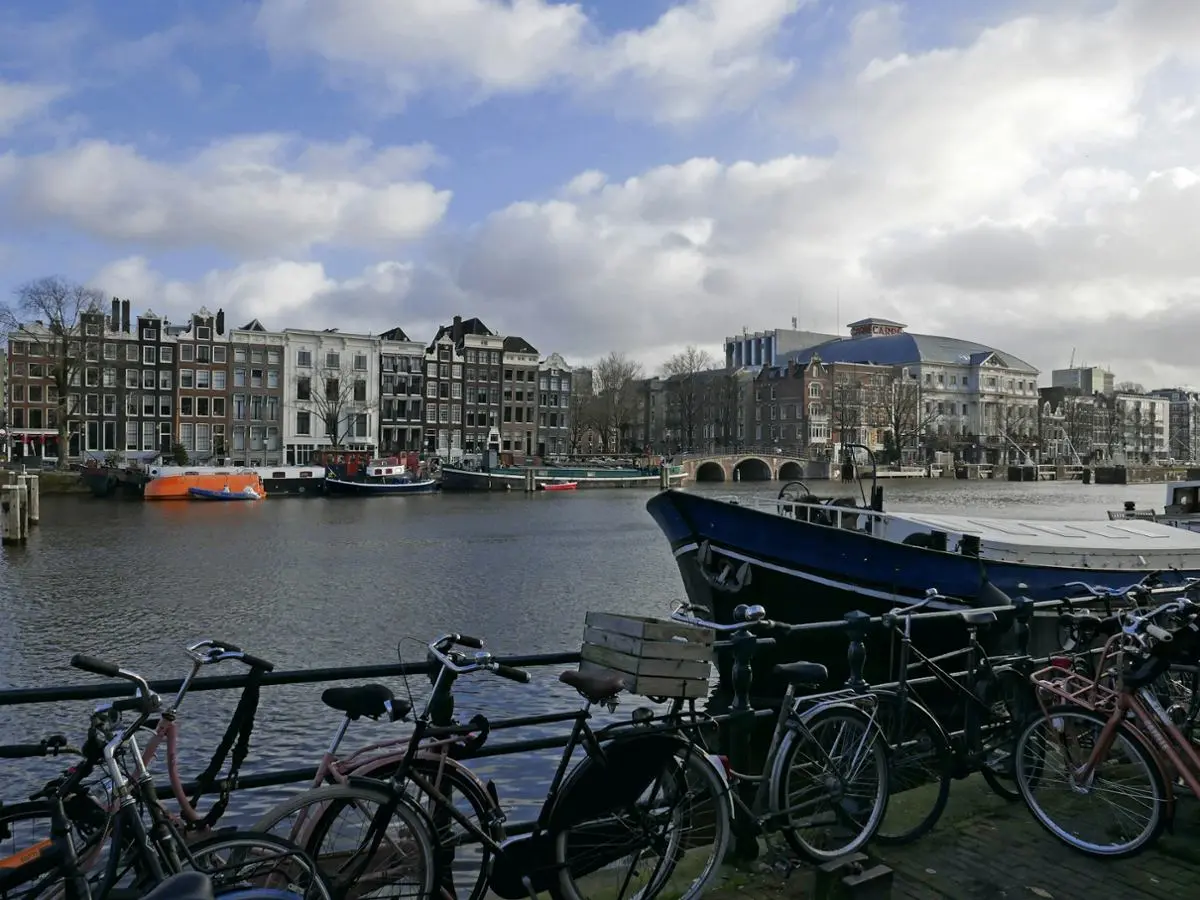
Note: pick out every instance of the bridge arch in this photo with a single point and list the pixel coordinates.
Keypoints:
(752, 469)
(791, 471)
(710, 471)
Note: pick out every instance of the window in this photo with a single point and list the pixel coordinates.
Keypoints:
(303, 423)
(91, 377)
(164, 380)
(332, 389)
(110, 351)
(360, 425)
(304, 358)
(332, 359)
(187, 379)
(456, 390)
(256, 356)
(132, 405)
(164, 436)
(303, 390)
(218, 407)
(360, 391)
(164, 405)
(110, 404)
(110, 435)
(443, 414)
(149, 430)
(239, 377)
(109, 376)
(272, 409)
(149, 406)
(17, 392)
(239, 406)
(204, 378)
(431, 370)
(443, 371)
(203, 333)
(166, 354)
(218, 379)
(456, 370)
(272, 438)
(256, 407)
(257, 434)
(360, 362)
(239, 355)
(431, 389)
(149, 334)
(148, 356)
(18, 348)
(272, 378)
(430, 414)
(456, 415)
(256, 378)
(131, 435)
(204, 353)
(187, 406)
(93, 405)
(273, 357)
(202, 406)
(239, 437)
(92, 330)
(148, 379)
(187, 353)
(187, 435)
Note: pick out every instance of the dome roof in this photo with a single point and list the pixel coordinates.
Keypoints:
(907, 349)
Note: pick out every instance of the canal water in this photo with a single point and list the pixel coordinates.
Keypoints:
(319, 582)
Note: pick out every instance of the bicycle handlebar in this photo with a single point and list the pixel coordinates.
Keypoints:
(208, 652)
(482, 660)
(147, 701)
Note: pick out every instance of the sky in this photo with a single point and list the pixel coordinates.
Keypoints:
(630, 175)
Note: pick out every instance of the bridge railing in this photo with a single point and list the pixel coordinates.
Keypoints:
(754, 450)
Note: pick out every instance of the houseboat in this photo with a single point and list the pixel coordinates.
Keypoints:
(381, 478)
(180, 486)
(278, 481)
(515, 478)
(1181, 509)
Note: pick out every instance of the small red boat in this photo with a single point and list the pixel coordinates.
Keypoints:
(558, 485)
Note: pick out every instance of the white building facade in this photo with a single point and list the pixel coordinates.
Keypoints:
(331, 395)
(1144, 426)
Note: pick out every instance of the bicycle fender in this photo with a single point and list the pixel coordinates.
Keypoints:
(910, 700)
(597, 786)
(406, 799)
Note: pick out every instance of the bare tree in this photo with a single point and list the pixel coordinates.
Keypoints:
(335, 397)
(46, 315)
(904, 416)
(720, 404)
(1129, 387)
(1113, 426)
(683, 374)
(615, 379)
(846, 411)
(584, 417)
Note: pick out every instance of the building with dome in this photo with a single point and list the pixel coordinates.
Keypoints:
(963, 391)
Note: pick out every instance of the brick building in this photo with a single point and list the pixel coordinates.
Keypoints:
(519, 398)
(256, 395)
(401, 393)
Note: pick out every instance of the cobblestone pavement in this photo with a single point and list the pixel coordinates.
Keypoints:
(987, 849)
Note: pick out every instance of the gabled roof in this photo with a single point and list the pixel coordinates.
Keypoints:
(253, 325)
(465, 327)
(395, 334)
(517, 344)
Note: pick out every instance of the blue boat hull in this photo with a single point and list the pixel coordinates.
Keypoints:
(337, 486)
(802, 572)
(220, 496)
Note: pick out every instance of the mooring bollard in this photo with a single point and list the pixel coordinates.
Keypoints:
(10, 514)
(23, 487)
(853, 878)
(35, 498)
(530, 481)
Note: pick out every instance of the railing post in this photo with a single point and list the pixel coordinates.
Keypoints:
(10, 514)
(35, 498)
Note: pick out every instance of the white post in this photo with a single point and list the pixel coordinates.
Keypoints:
(35, 498)
(23, 488)
(10, 514)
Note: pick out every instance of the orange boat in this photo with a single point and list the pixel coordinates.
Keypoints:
(176, 487)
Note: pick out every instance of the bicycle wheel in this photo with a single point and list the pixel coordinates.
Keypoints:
(920, 769)
(358, 852)
(830, 783)
(244, 865)
(1049, 754)
(992, 734)
(463, 860)
(668, 842)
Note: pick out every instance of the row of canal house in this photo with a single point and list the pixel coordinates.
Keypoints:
(139, 385)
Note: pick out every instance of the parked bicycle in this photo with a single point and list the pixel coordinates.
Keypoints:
(1108, 735)
(140, 856)
(632, 799)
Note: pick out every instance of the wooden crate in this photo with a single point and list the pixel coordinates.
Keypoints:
(654, 657)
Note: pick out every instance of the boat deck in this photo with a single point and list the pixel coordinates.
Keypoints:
(1130, 535)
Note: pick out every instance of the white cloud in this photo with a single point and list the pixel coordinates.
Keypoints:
(21, 102)
(699, 56)
(279, 292)
(254, 194)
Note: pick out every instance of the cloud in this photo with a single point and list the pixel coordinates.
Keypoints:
(21, 102)
(699, 56)
(250, 195)
(279, 292)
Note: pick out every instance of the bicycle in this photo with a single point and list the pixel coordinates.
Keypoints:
(822, 789)
(242, 866)
(1122, 727)
(991, 698)
(611, 796)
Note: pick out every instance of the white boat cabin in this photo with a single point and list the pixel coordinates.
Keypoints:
(1099, 544)
(1181, 509)
(386, 468)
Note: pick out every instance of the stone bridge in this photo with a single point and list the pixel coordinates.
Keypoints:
(751, 467)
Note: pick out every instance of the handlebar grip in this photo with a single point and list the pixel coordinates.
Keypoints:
(464, 640)
(228, 646)
(257, 662)
(512, 674)
(1159, 634)
(22, 751)
(95, 666)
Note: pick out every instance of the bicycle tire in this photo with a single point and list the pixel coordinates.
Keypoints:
(1019, 699)
(782, 769)
(923, 738)
(239, 845)
(483, 810)
(695, 768)
(325, 803)
(1134, 745)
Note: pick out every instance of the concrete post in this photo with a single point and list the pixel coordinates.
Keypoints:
(10, 514)
(530, 481)
(35, 498)
(23, 487)
(664, 477)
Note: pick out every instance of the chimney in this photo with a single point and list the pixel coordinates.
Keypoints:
(220, 321)
(791, 370)
(125, 316)
(456, 329)
(114, 324)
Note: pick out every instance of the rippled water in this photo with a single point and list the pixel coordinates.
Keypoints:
(311, 583)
